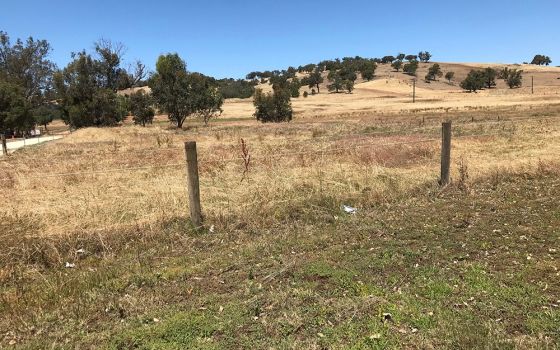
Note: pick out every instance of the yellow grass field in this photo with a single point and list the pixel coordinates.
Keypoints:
(120, 195)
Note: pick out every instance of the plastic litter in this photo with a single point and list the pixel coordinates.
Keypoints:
(349, 210)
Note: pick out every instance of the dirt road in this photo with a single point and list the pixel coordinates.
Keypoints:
(14, 145)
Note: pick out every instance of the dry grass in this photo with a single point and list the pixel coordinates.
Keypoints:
(121, 192)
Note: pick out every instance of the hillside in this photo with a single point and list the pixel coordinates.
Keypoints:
(391, 92)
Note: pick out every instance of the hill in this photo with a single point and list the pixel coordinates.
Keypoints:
(391, 92)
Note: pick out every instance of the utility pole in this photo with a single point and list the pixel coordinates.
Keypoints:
(413, 90)
(532, 84)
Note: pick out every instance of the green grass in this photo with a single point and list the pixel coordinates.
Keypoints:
(455, 269)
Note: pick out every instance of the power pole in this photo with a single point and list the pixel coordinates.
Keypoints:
(532, 84)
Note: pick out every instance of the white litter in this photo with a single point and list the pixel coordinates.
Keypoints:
(211, 229)
(349, 209)
(70, 265)
(80, 251)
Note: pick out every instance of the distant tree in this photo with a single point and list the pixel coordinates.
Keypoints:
(411, 57)
(141, 108)
(305, 94)
(315, 79)
(348, 78)
(349, 85)
(291, 72)
(514, 78)
(401, 56)
(209, 103)
(397, 65)
(336, 83)
(434, 72)
(490, 77)
(252, 75)
(273, 107)
(109, 59)
(388, 59)
(411, 67)
(45, 114)
(367, 70)
(138, 73)
(14, 108)
(475, 80)
(26, 64)
(541, 60)
(295, 85)
(171, 88)
(503, 73)
(449, 76)
(84, 94)
(331, 65)
(231, 88)
(309, 68)
(424, 56)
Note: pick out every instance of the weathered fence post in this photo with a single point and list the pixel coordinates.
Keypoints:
(445, 152)
(413, 90)
(4, 145)
(193, 184)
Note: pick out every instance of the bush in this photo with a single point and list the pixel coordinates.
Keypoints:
(449, 76)
(273, 107)
(490, 77)
(514, 78)
(305, 94)
(230, 88)
(397, 65)
(141, 108)
(411, 67)
(434, 72)
(474, 81)
(424, 56)
(541, 60)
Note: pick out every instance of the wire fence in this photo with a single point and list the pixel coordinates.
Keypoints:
(328, 150)
(404, 131)
(166, 192)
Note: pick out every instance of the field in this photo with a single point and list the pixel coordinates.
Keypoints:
(98, 250)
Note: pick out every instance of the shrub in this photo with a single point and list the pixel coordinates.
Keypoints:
(490, 77)
(273, 107)
(424, 56)
(397, 65)
(141, 108)
(411, 58)
(514, 78)
(434, 72)
(474, 81)
(449, 76)
(305, 94)
(541, 60)
(411, 67)
(387, 59)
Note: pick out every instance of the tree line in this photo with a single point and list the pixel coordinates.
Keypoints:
(88, 91)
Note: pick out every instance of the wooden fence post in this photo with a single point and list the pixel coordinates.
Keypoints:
(4, 145)
(445, 152)
(413, 90)
(193, 184)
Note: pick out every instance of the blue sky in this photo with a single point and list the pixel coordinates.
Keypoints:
(231, 38)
